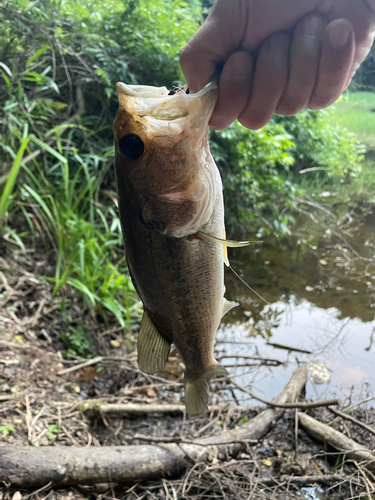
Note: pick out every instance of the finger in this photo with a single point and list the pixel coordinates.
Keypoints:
(335, 63)
(269, 81)
(234, 89)
(304, 64)
(218, 37)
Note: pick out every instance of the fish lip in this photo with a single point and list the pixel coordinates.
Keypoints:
(159, 92)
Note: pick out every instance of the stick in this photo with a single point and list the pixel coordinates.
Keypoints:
(300, 406)
(299, 480)
(146, 409)
(89, 362)
(30, 467)
(351, 448)
(352, 419)
(288, 348)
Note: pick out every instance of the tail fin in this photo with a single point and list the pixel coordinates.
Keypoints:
(197, 391)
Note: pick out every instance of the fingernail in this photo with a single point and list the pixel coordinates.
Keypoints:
(338, 34)
(313, 26)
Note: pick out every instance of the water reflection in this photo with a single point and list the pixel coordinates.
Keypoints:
(320, 301)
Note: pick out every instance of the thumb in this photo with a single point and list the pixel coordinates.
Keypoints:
(218, 37)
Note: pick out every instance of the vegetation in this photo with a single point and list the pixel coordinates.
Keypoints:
(356, 112)
(59, 62)
(365, 76)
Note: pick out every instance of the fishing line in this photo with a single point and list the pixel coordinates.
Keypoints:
(248, 286)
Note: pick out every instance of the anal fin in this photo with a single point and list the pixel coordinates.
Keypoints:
(197, 391)
(228, 305)
(153, 348)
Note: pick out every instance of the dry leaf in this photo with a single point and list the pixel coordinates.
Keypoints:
(151, 393)
(266, 462)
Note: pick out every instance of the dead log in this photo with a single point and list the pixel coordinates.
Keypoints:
(31, 467)
(337, 440)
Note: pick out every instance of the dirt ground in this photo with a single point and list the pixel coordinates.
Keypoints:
(39, 406)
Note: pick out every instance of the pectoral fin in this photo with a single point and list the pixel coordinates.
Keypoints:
(228, 305)
(196, 391)
(225, 250)
(227, 243)
(153, 349)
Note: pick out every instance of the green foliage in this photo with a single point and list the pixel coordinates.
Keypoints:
(321, 146)
(6, 429)
(52, 432)
(256, 195)
(261, 169)
(76, 342)
(364, 78)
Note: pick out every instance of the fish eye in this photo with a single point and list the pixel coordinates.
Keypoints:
(131, 145)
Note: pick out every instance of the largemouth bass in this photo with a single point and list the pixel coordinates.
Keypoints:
(172, 214)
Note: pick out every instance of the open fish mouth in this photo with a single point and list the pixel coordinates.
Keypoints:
(181, 111)
(163, 135)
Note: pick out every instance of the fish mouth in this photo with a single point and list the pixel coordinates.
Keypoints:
(165, 112)
(174, 124)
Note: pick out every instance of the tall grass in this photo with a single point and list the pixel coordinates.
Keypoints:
(51, 197)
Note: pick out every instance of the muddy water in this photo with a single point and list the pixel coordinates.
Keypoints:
(320, 293)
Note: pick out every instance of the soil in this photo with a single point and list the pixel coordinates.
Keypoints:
(39, 407)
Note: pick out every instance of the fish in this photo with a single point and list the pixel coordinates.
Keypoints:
(171, 208)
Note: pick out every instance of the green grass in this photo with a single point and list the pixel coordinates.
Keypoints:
(356, 112)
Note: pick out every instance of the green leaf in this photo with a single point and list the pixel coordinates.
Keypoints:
(37, 54)
(48, 148)
(82, 288)
(5, 197)
(7, 82)
(6, 69)
(111, 305)
(5, 429)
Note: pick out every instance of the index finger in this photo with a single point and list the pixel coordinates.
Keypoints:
(218, 37)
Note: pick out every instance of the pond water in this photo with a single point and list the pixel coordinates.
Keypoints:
(320, 293)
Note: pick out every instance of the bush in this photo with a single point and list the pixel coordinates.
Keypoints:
(321, 147)
(256, 194)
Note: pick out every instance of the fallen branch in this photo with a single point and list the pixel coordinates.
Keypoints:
(299, 406)
(288, 348)
(299, 480)
(30, 467)
(89, 362)
(352, 419)
(103, 408)
(336, 439)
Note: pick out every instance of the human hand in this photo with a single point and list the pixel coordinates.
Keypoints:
(278, 56)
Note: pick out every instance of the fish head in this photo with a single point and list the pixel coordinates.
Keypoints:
(164, 167)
